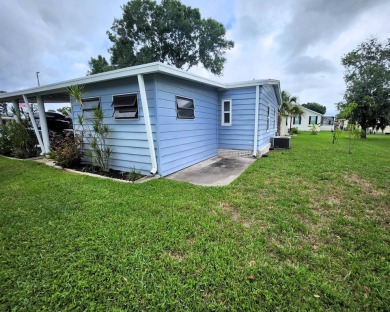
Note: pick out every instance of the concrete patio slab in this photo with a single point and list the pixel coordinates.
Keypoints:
(216, 171)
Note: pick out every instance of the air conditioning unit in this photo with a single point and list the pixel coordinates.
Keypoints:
(281, 142)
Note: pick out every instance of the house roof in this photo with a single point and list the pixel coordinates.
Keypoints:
(57, 92)
(311, 111)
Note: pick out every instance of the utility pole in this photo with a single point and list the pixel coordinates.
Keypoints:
(38, 78)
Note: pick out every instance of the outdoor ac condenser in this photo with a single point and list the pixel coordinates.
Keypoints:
(281, 142)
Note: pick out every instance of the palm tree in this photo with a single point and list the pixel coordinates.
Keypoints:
(295, 111)
(285, 108)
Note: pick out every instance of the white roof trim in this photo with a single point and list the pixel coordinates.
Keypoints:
(311, 111)
(150, 68)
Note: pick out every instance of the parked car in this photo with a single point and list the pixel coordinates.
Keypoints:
(56, 122)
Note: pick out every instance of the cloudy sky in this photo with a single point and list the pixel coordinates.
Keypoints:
(299, 42)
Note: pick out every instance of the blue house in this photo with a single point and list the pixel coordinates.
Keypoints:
(163, 119)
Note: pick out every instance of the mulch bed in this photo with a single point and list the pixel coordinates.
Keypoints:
(115, 174)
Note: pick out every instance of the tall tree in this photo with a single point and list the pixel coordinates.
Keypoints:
(287, 103)
(169, 32)
(315, 107)
(295, 111)
(98, 65)
(66, 111)
(367, 78)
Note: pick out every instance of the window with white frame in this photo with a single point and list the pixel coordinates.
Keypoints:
(88, 107)
(125, 106)
(268, 116)
(185, 108)
(226, 116)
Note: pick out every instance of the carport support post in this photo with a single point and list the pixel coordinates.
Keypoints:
(43, 122)
(256, 132)
(15, 104)
(34, 124)
(148, 125)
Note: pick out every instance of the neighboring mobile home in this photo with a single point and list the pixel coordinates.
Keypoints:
(306, 120)
(164, 119)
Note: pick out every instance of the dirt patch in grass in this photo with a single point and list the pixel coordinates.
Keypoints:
(364, 185)
(175, 256)
(236, 216)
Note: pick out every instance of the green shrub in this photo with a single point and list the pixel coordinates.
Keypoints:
(294, 130)
(24, 143)
(67, 152)
(313, 129)
(134, 175)
(5, 142)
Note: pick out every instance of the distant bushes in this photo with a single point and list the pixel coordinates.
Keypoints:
(18, 140)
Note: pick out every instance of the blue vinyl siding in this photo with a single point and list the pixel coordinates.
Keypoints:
(184, 142)
(127, 137)
(240, 134)
(180, 143)
(267, 97)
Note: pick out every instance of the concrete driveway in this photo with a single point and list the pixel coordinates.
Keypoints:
(216, 171)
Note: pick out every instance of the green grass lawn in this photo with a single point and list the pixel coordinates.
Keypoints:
(304, 229)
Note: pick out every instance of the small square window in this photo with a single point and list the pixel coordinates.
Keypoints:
(125, 106)
(88, 107)
(226, 113)
(185, 108)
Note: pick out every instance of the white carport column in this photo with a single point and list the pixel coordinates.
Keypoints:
(256, 131)
(43, 122)
(15, 104)
(148, 125)
(34, 124)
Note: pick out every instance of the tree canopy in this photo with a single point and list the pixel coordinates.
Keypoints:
(169, 32)
(289, 107)
(367, 78)
(315, 107)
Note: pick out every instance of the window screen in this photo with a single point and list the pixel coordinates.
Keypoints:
(297, 120)
(125, 106)
(88, 106)
(313, 120)
(184, 108)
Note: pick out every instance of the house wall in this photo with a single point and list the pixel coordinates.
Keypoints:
(327, 123)
(184, 142)
(127, 137)
(267, 98)
(239, 135)
(285, 125)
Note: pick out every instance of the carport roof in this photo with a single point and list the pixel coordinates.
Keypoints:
(57, 92)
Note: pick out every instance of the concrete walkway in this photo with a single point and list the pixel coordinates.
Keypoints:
(216, 171)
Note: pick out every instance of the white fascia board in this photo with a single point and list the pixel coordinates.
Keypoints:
(311, 111)
(251, 83)
(150, 68)
(62, 86)
(173, 71)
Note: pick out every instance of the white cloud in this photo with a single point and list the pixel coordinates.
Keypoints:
(298, 42)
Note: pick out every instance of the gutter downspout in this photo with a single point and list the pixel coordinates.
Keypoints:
(43, 122)
(30, 113)
(148, 125)
(255, 135)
